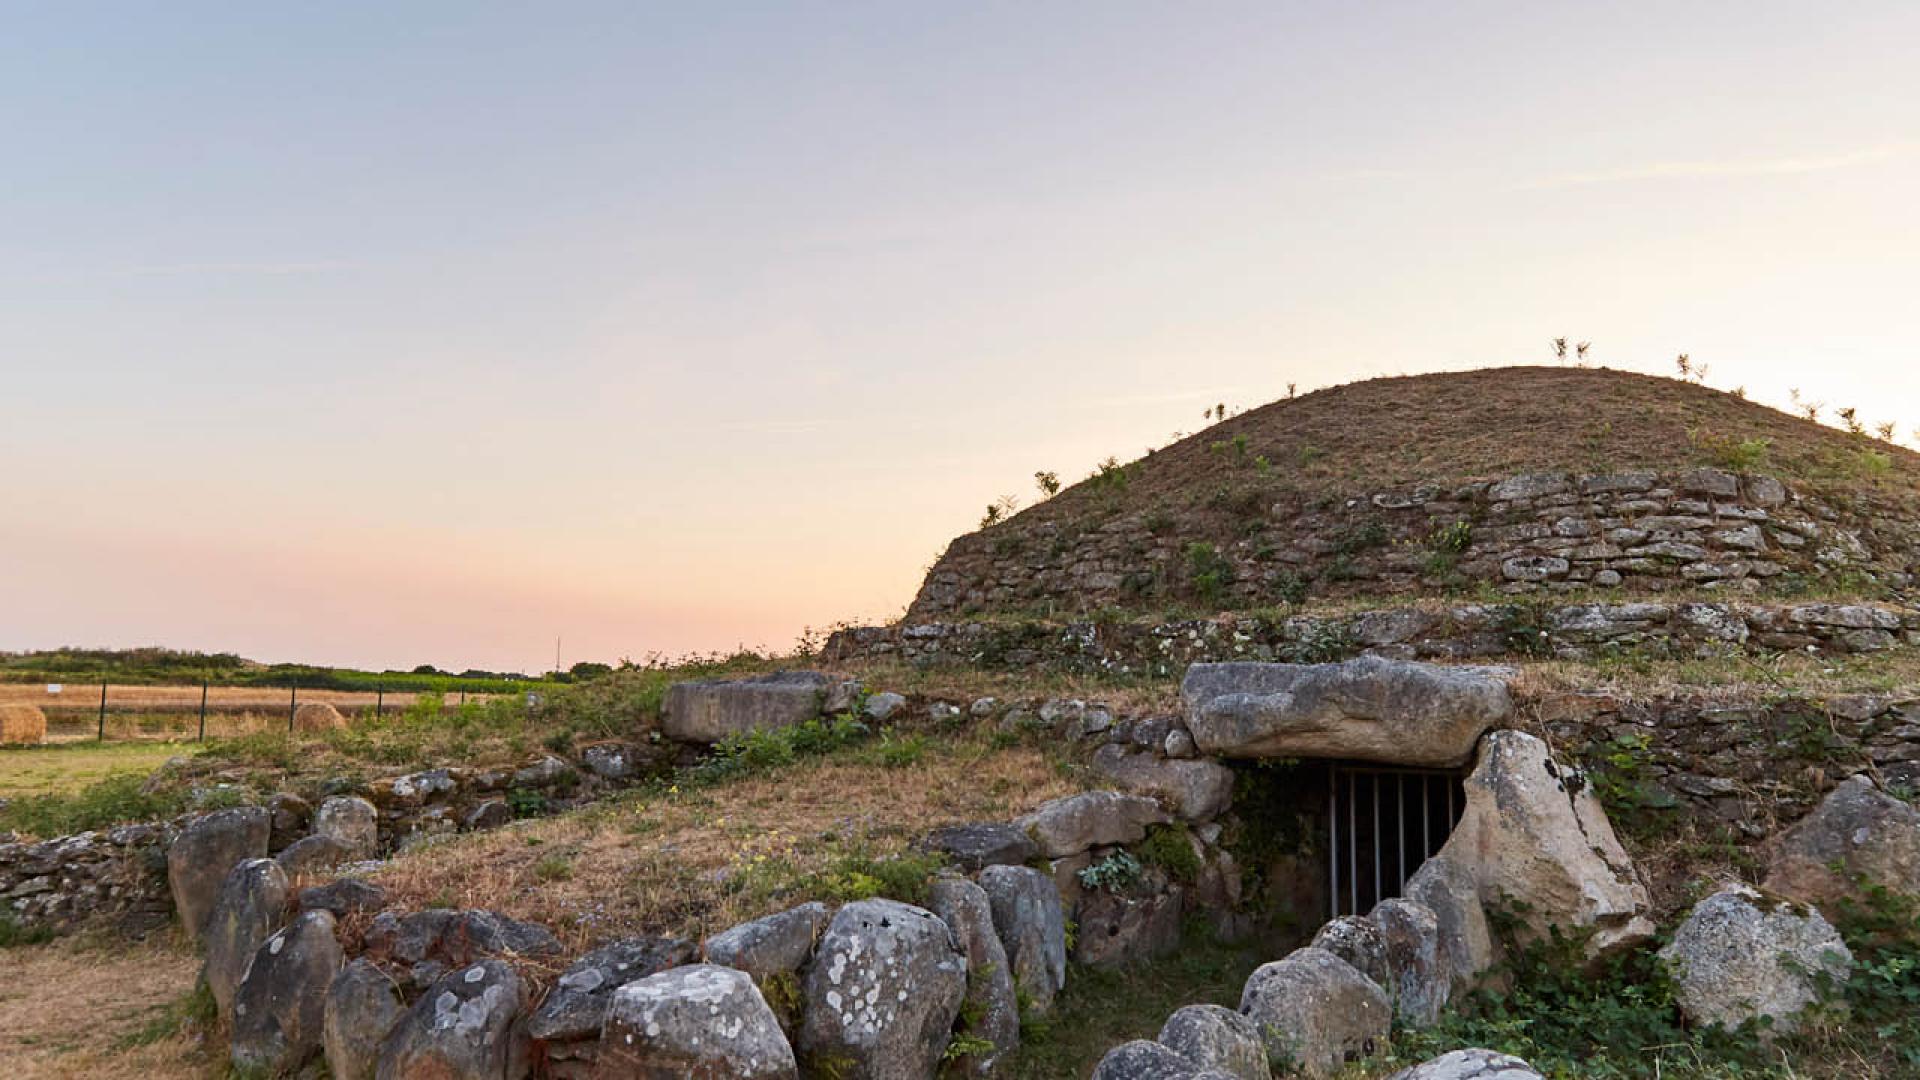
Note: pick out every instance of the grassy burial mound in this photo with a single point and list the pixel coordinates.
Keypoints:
(1521, 479)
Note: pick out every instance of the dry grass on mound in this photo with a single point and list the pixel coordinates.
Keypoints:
(78, 1008)
(698, 861)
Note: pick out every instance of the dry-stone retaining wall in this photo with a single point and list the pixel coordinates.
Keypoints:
(1638, 531)
(1458, 632)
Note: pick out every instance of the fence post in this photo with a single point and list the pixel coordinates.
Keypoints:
(203, 709)
(463, 695)
(379, 700)
(103, 710)
(293, 700)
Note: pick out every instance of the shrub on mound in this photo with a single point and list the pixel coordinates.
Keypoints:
(22, 724)
(318, 716)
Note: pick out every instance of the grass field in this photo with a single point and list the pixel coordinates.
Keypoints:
(42, 770)
(85, 1008)
(173, 712)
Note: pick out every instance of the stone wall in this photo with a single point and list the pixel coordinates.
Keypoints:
(118, 874)
(1639, 532)
(1459, 632)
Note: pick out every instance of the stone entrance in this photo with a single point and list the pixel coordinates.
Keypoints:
(1383, 824)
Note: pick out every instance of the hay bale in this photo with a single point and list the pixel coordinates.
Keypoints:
(22, 724)
(317, 716)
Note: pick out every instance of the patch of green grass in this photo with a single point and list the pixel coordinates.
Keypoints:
(194, 1009)
(113, 801)
(13, 935)
(65, 768)
(1100, 1010)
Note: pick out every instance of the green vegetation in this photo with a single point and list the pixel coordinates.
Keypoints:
(173, 666)
(1101, 1009)
(1570, 1021)
(1117, 872)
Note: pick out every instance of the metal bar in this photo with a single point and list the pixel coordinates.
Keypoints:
(1333, 840)
(1353, 849)
(1400, 833)
(1426, 817)
(203, 710)
(379, 700)
(103, 710)
(293, 700)
(1451, 820)
(1376, 842)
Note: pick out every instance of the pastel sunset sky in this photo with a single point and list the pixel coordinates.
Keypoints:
(386, 334)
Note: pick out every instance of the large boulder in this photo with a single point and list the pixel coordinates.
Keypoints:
(700, 1020)
(576, 1007)
(1073, 823)
(203, 853)
(1032, 924)
(883, 991)
(350, 821)
(1858, 834)
(1417, 983)
(1143, 1059)
(1740, 956)
(1535, 840)
(252, 904)
(1464, 945)
(1314, 1010)
(991, 1006)
(279, 1011)
(777, 943)
(463, 1028)
(1195, 790)
(1134, 924)
(1215, 1037)
(1370, 709)
(711, 710)
(439, 939)
(362, 1007)
(1357, 940)
(981, 844)
(1470, 1064)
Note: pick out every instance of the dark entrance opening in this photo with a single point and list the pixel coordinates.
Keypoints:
(1382, 823)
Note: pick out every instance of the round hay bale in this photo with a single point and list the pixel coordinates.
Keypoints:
(22, 724)
(317, 716)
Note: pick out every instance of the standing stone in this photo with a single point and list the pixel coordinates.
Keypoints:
(694, 1021)
(1464, 946)
(1136, 925)
(1314, 1010)
(279, 1012)
(311, 855)
(1740, 957)
(1143, 1059)
(883, 991)
(1033, 929)
(772, 945)
(362, 1007)
(1358, 941)
(1533, 836)
(462, 1028)
(1369, 708)
(252, 904)
(990, 1003)
(1214, 1037)
(1070, 825)
(1866, 833)
(576, 1007)
(1473, 1064)
(352, 822)
(204, 852)
(1417, 983)
(710, 710)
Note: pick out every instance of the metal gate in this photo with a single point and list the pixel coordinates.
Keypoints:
(1382, 824)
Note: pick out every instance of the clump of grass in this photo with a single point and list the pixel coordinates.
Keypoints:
(113, 801)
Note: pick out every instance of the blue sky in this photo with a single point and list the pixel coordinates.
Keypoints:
(426, 332)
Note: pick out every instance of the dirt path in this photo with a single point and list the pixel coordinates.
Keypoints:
(109, 1009)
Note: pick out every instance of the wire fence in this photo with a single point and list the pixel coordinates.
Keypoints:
(107, 711)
